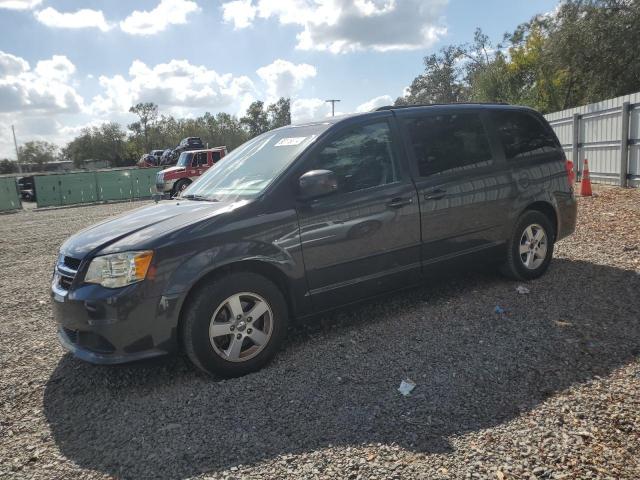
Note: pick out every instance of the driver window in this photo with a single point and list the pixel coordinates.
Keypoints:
(360, 158)
(199, 159)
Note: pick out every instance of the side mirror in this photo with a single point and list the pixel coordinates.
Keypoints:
(317, 183)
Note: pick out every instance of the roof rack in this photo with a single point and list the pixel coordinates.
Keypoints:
(391, 107)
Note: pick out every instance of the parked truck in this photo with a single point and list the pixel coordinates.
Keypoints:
(190, 166)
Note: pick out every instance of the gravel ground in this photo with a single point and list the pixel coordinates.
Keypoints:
(549, 389)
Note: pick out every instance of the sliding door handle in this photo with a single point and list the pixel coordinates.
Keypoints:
(400, 202)
(436, 194)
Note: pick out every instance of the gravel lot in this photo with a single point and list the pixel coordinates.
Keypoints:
(551, 389)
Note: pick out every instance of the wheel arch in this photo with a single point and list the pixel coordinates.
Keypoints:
(547, 209)
(262, 268)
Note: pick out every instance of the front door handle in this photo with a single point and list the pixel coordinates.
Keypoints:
(436, 194)
(400, 202)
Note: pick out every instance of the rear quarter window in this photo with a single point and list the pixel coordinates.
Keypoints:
(523, 135)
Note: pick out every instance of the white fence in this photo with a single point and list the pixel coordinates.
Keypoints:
(606, 133)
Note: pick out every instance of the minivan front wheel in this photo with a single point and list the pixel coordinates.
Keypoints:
(234, 324)
(530, 248)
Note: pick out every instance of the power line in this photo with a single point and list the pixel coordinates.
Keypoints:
(333, 105)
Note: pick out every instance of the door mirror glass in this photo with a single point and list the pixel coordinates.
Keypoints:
(317, 183)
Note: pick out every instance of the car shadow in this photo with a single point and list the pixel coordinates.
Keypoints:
(335, 382)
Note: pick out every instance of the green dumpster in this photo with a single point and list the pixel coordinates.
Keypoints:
(114, 185)
(78, 188)
(48, 188)
(9, 198)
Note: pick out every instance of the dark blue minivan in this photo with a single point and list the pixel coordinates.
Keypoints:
(307, 218)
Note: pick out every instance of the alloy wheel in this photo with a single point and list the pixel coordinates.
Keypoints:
(241, 327)
(533, 246)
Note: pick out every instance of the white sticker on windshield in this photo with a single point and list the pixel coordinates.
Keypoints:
(290, 141)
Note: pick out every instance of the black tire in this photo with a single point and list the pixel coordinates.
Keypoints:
(180, 186)
(204, 352)
(514, 266)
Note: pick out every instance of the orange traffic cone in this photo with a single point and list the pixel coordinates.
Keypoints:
(585, 185)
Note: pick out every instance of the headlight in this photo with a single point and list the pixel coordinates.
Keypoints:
(119, 269)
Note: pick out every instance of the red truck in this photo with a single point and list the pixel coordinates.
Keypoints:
(190, 166)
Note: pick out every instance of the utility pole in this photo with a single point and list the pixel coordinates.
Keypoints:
(333, 106)
(15, 144)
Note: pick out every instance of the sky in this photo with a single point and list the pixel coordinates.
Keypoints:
(68, 64)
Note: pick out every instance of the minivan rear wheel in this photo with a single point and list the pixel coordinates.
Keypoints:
(530, 248)
(234, 324)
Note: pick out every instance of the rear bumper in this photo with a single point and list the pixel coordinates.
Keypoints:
(108, 326)
(567, 207)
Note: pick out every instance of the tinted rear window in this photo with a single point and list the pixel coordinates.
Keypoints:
(448, 143)
(522, 134)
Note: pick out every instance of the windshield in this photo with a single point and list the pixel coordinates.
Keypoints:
(185, 159)
(251, 167)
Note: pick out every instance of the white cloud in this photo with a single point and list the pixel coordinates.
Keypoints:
(58, 68)
(84, 18)
(168, 12)
(239, 12)
(309, 109)
(340, 26)
(19, 4)
(44, 90)
(284, 78)
(12, 65)
(374, 103)
(175, 85)
(36, 100)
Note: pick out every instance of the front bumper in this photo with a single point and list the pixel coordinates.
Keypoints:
(108, 326)
(84, 353)
(165, 187)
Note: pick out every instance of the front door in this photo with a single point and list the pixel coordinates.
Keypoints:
(365, 237)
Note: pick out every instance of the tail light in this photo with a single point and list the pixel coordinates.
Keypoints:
(570, 173)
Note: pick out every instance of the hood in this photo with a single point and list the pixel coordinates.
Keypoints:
(173, 169)
(139, 228)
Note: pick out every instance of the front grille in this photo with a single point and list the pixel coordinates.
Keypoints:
(72, 335)
(65, 282)
(71, 263)
(67, 268)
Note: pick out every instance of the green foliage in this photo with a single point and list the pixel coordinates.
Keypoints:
(255, 120)
(584, 52)
(258, 120)
(147, 115)
(279, 113)
(7, 166)
(38, 153)
(107, 142)
(441, 80)
(110, 142)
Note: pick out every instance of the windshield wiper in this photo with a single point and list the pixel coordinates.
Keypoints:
(199, 198)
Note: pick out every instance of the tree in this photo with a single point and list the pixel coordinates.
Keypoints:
(442, 80)
(255, 120)
(279, 113)
(107, 142)
(38, 153)
(147, 115)
(582, 53)
(7, 166)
